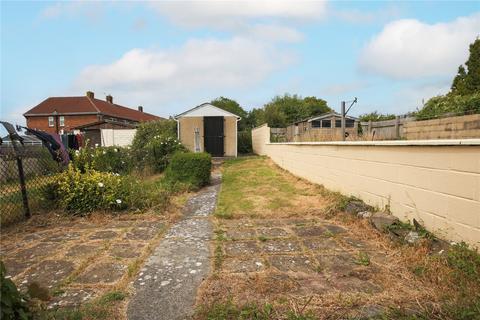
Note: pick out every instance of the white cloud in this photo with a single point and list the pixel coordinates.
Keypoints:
(274, 33)
(413, 97)
(411, 49)
(91, 9)
(231, 14)
(153, 77)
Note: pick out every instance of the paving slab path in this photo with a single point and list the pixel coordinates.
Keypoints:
(166, 286)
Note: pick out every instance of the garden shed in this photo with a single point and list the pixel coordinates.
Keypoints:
(207, 128)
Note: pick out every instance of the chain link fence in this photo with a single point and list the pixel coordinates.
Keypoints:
(25, 173)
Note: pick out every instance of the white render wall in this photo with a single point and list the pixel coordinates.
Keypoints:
(117, 137)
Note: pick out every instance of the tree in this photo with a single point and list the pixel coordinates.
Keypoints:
(467, 81)
(458, 84)
(233, 107)
(464, 96)
(284, 110)
(375, 116)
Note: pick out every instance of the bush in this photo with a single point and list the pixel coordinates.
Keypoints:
(245, 141)
(147, 141)
(450, 103)
(80, 193)
(191, 168)
(159, 151)
(12, 306)
(104, 159)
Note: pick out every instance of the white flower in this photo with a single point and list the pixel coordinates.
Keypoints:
(101, 185)
(118, 201)
(104, 152)
(96, 145)
(77, 152)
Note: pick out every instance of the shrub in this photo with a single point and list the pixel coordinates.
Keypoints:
(146, 132)
(245, 141)
(191, 168)
(159, 151)
(80, 193)
(449, 103)
(104, 159)
(13, 306)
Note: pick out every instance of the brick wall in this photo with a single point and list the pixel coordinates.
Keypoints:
(41, 123)
(436, 182)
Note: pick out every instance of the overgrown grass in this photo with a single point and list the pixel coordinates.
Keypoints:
(253, 186)
(102, 308)
(230, 311)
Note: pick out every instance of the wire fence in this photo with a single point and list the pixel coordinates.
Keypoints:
(25, 173)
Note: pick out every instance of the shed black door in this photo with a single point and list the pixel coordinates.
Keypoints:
(213, 135)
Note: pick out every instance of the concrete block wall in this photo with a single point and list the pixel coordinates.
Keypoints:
(446, 128)
(436, 182)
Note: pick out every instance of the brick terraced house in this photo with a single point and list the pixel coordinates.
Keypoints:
(66, 114)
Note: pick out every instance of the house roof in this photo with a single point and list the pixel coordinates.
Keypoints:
(87, 105)
(328, 115)
(27, 140)
(98, 123)
(206, 110)
(323, 116)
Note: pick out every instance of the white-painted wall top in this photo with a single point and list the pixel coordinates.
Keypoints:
(206, 110)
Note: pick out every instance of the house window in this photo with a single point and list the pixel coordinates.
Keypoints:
(62, 121)
(348, 123)
(50, 121)
(316, 124)
(326, 123)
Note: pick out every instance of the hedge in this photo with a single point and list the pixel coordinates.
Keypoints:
(191, 168)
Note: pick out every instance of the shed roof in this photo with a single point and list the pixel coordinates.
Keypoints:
(206, 110)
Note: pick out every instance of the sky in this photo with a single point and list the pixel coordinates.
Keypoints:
(170, 56)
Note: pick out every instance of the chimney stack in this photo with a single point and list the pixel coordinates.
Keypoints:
(140, 108)
(109, 99)
(90, 94)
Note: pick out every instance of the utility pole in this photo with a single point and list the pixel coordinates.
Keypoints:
(343, 120)
(344, 114)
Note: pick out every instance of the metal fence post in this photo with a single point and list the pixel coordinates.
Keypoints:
(21, 176)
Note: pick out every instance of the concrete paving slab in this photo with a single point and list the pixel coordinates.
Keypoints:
(166, 286)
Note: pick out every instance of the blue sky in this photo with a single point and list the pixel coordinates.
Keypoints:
(171, 56)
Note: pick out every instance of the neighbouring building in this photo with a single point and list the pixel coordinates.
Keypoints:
(325, 127)
(86, 114)
(207, 128)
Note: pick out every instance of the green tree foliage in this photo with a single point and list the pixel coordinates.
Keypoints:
(449, 104)
(283, 110)
(464, 96)
(233, 107)
(467, 81)
(375, 116)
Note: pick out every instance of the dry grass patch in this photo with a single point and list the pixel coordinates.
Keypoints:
(387, 280)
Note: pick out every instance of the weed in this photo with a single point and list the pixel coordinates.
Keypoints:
(262, 238)
(328, 234)
(220, 237)
(363, 259)
(111, 297)
(464, 260)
